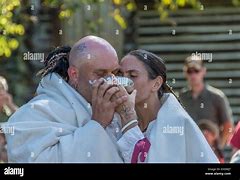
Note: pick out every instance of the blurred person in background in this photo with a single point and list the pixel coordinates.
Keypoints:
(7, 108)
(203, 101)
(211, 132)
(234, 140)
(3, 150)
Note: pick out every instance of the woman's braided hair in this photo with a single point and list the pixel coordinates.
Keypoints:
(57, 61)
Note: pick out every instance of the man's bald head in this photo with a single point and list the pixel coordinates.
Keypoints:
(90, 48)
(91, 58)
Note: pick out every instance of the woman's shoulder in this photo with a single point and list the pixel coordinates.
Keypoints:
(173, 112)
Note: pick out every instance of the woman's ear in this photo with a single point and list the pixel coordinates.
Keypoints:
(158, 81)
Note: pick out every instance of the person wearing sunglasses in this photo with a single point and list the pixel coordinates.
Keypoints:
(203, 101)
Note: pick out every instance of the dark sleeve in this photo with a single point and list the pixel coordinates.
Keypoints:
(182, 98)
(224, 110)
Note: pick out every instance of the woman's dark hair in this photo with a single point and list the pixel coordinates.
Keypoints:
(155, 67)
(57, 61)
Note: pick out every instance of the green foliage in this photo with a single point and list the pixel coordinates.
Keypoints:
(164, 6)
(8, 28)
(236, 2)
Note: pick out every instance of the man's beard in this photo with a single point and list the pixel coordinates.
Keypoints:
(75, 86)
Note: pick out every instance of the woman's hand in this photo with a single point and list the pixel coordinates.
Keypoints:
(127, 109)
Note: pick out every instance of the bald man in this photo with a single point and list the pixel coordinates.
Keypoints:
(71, 119)
(92, 58)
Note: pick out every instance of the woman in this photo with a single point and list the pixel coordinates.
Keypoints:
(165, 132)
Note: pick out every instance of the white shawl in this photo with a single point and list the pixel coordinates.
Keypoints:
(175, 137)
(56, 126)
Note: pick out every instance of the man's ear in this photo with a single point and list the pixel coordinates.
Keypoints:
(158, 81)
(72, 73)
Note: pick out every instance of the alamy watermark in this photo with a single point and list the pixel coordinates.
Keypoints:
(31, 56)
(7, 130)
(203, 56)
(14, 171)
(173, 130)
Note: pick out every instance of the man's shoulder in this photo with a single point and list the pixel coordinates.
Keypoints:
(184, 92)
(39, 103)
(215, 92)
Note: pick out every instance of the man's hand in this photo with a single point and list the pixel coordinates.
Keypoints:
(103, 108)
